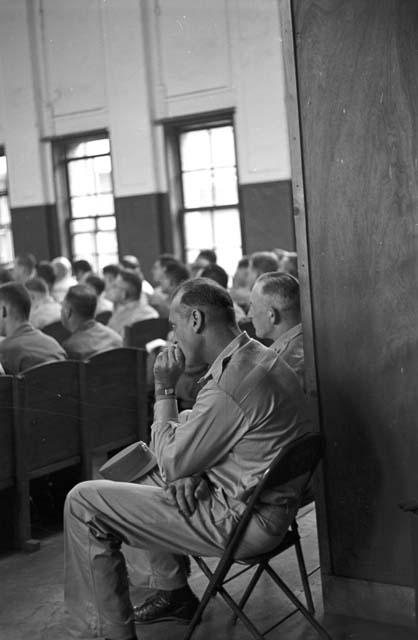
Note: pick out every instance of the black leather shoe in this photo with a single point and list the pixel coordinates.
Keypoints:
(163, 606)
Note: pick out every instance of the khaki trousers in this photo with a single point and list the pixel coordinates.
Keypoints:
(100, 515)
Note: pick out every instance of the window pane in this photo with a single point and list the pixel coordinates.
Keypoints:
(84, 244)
(106, 224)
(195, 150)
(228, 258)
(102, 170)
(3, 173)
(86, 224)
(77, 150)
(198, 229)
(197, 189)
(81, 177)
(223, 150)
(104, 205)
(227, 228)
(96, 147)
(226, 191)
(4, 211)
(104, 259)
(83, 207)
(106, 242)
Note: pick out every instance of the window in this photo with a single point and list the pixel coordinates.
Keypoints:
(92, 211)
(209, 184)
(6, 239)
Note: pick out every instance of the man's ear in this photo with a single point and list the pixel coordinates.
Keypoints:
(274, 315)
(198, 320)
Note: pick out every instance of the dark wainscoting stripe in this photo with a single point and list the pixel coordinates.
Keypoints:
(35, 230)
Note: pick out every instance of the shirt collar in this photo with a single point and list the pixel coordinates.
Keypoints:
(216, 369)
(287, 336)
(21, 329)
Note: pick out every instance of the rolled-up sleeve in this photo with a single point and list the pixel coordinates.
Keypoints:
(215, 424)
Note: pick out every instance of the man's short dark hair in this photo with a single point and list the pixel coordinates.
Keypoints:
(96, 282)
(166, 258)
(264, 262)
(37, 284)
(17, 297)
(209, 255)
(111, 270)
(244, 263)
(46, 271)
(27, 260)
(209, 296)
(82, 300)
(217, 273)
(82, 266)
(134, 283)
(177, 272)
(284, 286)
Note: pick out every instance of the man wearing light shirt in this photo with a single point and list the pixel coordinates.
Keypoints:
(249, 407)
(129, 305)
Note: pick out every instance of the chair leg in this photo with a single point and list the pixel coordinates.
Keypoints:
(308, 615)
(248, 591)
(304, 577)
(240, 614)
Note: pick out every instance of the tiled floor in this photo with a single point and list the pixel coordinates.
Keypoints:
(31, 603)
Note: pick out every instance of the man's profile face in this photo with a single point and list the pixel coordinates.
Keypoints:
(183, 333)
(259, 312)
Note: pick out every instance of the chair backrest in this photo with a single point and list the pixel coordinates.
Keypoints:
(103, 317)
(56, 330)
(114, 402)
(7, 458)
(49, 428)
(298, 458)
(139, 333)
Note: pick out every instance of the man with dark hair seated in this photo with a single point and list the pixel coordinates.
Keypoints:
(81, 268)
(204, 258)
(173, 273)
(98, 286)
(24, 346)
(261, 262)
(250, 406)
(46, 271)
(88, 337)
(129, 307)
(275, 313)
(44, 309)
(24, 267)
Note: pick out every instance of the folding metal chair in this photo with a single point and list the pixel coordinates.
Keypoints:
(297, 459)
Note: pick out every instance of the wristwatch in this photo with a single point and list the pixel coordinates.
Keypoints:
(169, 391)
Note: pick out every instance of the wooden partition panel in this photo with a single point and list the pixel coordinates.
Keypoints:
(357, 79)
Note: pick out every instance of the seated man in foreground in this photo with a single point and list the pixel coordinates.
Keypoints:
(249, 407)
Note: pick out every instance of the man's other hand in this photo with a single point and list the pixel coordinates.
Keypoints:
(168, 367)
(186, 492)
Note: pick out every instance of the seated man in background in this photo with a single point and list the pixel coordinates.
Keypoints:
(110, 273)
(204, 259)
(250, 406)
(24, 267)
(98, 286)
(160, 300)
(24, 346)
(81, 269)
(173, 274)
(240, 290)
(288, 262)
(216, 273)
(88, 337)
(44, 309)
(63, 278)
(129, 307)
(46, 271)
(261, 262)
(275, 313)
(131, 263)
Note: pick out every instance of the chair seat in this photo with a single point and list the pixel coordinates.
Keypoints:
(288, 541)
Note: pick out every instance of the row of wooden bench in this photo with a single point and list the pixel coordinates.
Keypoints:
(61, 414)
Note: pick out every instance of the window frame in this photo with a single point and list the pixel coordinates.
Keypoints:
(5, 193)
(64, 197)
(173, 128)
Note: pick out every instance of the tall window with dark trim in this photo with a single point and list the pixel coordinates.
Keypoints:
(211, 218)
(90, 191)
(6, 238)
